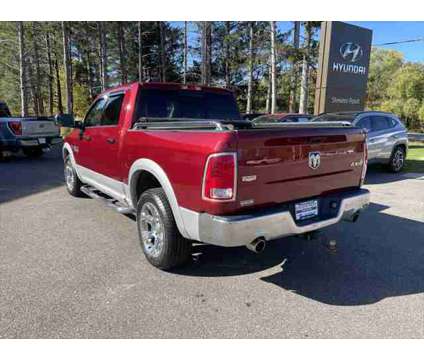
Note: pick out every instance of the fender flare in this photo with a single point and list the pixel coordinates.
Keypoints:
(156, 170)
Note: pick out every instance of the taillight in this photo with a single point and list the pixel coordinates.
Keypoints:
(219, 179)
(365, 164)
(15, 127)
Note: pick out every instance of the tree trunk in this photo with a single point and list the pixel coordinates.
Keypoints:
(103, 55)
(67, 67)
(185, 52)
(89, 74)
(32, 87)
(58, 88)
(39, 98)
(293, 79)
(50, 73)
(303, 106)
(88, 61)
(22, 67)
(227, 54)
(250, 71)
(206, 52)
(140, 53)
(121, 46)
(162, 52)
(268, 93)
(273, 70)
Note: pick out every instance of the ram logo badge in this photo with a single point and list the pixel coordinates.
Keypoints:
(314, 160)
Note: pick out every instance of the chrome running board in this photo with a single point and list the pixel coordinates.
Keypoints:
(114, 204)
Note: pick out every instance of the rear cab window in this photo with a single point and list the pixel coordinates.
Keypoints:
(186, 104)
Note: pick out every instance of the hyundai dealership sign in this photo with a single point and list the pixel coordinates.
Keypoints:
(343, 67)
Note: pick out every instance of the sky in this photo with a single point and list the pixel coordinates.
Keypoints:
(383, 32)
(390, 31)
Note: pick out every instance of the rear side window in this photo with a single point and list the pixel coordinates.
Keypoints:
(112, 110)
(392, 122)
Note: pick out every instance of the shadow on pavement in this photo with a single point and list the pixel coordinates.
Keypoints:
(378, 257)
(21, 176)
(378, 174)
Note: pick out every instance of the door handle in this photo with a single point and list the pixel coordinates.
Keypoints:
(111, 140)
(87, 137)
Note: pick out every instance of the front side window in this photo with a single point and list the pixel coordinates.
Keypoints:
(365, 123)
(112, 110)
(94, 116)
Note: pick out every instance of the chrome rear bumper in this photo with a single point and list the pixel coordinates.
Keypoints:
(241, 230)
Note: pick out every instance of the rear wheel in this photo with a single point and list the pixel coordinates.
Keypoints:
(162, 244)
(72, 181)
(397, 160)
(33, 152)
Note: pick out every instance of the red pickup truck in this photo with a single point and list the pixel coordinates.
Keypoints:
(183, 161)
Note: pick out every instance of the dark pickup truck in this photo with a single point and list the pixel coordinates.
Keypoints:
(33, 135)
(183, 161)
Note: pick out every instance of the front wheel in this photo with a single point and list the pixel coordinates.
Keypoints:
(72, 181)
(162, 244)
(397, 160)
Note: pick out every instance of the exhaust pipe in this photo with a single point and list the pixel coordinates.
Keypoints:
(257, 246)
(352, 217)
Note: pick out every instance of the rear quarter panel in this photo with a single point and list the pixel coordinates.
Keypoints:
(182, 155)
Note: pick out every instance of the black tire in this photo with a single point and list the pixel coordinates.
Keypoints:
(33, 152)
(397, 159)
(168, 249)
(74, 186)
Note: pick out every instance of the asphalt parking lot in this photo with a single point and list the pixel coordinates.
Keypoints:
(74, 268)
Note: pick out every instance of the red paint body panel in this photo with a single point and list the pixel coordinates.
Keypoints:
(278, 157)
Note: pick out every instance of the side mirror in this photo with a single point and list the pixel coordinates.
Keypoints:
(66, 120)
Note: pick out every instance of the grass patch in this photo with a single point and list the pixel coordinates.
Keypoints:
(415, 158)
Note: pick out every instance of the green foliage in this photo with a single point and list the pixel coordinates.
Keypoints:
(81, 100)
(407, 82)
(396, 86)
(383, 64)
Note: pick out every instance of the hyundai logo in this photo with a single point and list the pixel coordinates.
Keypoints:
(314, 160)
(351, 52)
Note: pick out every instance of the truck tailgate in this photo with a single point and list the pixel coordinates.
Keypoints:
(279, 158)
(35, 127)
